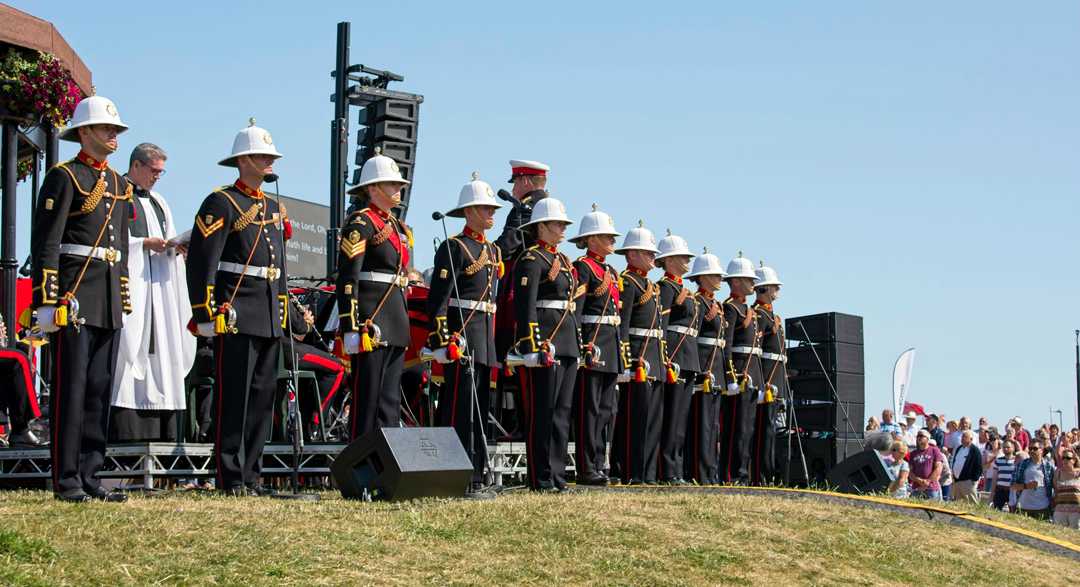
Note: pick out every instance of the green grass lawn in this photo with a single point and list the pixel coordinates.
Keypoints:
(584, 538)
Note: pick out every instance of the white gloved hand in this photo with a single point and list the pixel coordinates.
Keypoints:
(46, 316)
(205, 329)
(352, 342)
(532, 359)
(623, 377)
(733, 388)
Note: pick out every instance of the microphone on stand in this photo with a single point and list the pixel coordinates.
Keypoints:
(437, 216)
(506, 197)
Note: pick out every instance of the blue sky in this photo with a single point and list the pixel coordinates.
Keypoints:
(913, 163)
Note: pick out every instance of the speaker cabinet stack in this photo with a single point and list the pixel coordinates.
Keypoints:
(828, 349)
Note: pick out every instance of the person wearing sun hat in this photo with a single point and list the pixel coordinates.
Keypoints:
(239, 298)
(370, 290)
(548, 344)
(462, 313)
(598, 313)
(680, 340)
(79, 244)
(773, 365)
(640, 413)
(741, 350)
(702, 456)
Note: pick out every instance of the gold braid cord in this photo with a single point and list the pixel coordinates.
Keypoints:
(714, 309)
(384, 233)
(91, 202)
(556, 266)
(602, 289)
(476, 264)
(246, 218)
(648, 294)
(683, 293)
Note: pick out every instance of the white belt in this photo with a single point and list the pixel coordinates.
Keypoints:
(555, 304)
(712, 342)
(774, 357)
(746, 350)
(486, 307)
(105, 254)
(270, 273)
(646, 333)
(594, 319)
(381, 277)
(683, 330)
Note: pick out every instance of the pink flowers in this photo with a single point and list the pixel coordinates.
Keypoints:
(38, 89)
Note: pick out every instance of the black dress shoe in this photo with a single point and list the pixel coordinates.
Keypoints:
(26, 439)
(73, 496)
(261, 491)
(679, 481)
(594, 479)
(235, 491)
(635, 481)
(546, 490)
(102, 494)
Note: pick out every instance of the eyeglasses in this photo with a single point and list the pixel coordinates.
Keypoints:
(155, 171)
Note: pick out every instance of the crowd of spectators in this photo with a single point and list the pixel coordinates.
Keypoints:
(1012, 469)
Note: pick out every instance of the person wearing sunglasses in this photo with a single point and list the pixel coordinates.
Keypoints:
(1067, 490)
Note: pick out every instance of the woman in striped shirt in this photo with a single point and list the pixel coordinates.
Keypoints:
(1003, 472)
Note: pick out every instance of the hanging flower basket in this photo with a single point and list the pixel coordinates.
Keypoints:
(35, 88)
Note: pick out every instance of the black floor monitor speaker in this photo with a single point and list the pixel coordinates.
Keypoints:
(403, 463)
(862, 473)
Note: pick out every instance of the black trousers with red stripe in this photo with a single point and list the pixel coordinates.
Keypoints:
(376, 390)
(246, 384)
(738, 413)
(456, 408)
(549, 392)
(636, 439)
(83, 366)
(17, 395)
(594, 406)
(763, 466)
(702, 458)
(677, 398)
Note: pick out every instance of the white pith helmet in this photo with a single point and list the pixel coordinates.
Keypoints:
(673, 246)
(92, 110)
(707, 264)
(548, 210)
(740, 267)
(475, 193)
(594, 223)
(767, 276)
(638, 238)
(378, 169)
(252, 140)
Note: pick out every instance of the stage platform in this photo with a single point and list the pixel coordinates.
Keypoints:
(159, 460)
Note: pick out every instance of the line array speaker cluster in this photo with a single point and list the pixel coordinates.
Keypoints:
(828, 388)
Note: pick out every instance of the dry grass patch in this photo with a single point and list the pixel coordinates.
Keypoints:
(586, 538)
